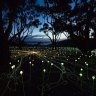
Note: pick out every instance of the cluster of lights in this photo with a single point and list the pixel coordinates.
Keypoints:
(54, 57)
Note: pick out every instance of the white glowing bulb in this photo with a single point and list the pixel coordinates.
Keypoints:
(81, 69)
(86, 64)
(75, 60)
(51, 64)
(32, 65)
(30, 62)
(13, 66)
(44, 70)
(81, 74)
(18, 61)
(62, 64)
(33, 52)
(10, 63)
(21, 72)
(93, 77)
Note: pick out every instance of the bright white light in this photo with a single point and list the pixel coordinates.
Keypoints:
(32, 65)
(13, 66)
(30, 62)
(81, 69)
(10, 63)
(34, 52)
(51, 64)
(81, 74)
(93, 77)
(62, 64)
(21, 72)
(44, 70)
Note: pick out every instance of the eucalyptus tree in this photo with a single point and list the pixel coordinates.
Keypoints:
(9, 12)
(82, 25)
(55, 17)
(50, 33)
(22, 28)
(77, 18)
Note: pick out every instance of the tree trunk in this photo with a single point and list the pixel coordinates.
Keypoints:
(4, 49)
(85, 47)
(84, 44)
(4, 54)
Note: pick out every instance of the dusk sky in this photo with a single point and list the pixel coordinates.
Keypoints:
(36, 30)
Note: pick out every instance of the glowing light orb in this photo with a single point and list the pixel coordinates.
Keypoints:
(10, 63)
(80, 74)
(18, 61)
(51, 64)
(48, 61)
(62, 64)
(30, 62)
(86, 63)
(34, 52)
(75, 60)
(44, 70)
(93, 77)
(32, 65)
(13, 66)
(81, 69)
(21, 72)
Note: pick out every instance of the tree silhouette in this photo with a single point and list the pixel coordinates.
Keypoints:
(77, 20)
(82, 23)
(53, 11)
(10, 10)
(50, 32)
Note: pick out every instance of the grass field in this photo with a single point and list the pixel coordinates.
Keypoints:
(45, 71)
